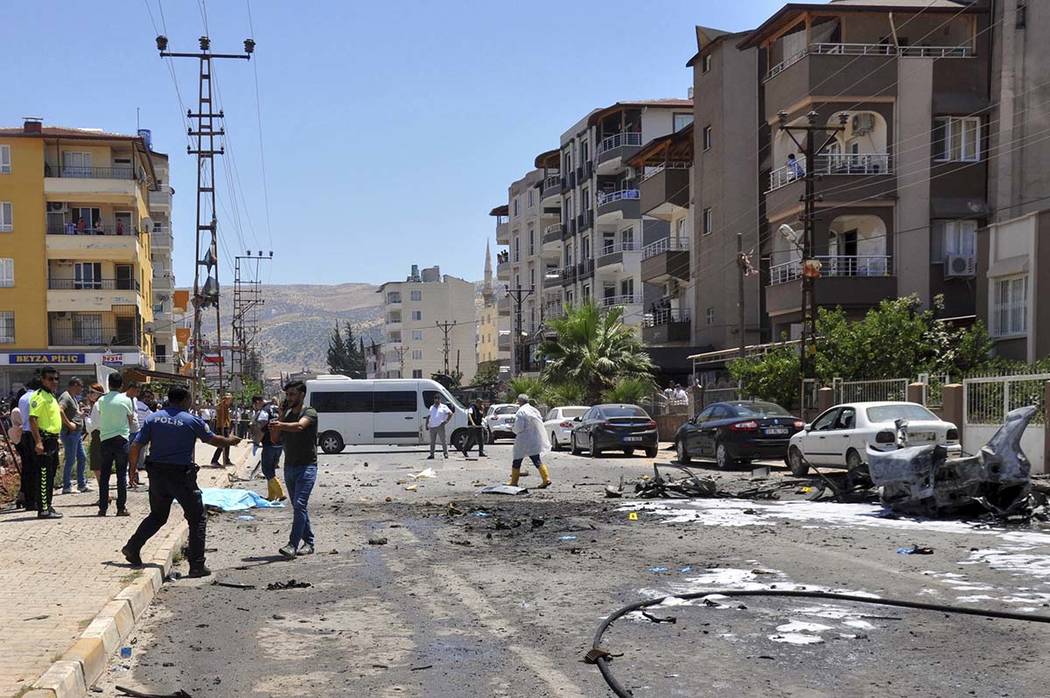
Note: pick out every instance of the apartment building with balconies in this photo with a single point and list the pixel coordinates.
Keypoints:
(415, 311)
(76, 278)
(162, 247)
(901, 184)
(603, 230)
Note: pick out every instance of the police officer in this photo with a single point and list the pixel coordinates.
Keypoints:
(45, 421)
(171, 433)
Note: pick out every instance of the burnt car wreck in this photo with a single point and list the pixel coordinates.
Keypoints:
(923, 480)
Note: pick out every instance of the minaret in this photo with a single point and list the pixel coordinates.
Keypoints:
(487, 292)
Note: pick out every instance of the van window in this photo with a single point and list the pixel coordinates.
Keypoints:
(356, 401)
(395, 401)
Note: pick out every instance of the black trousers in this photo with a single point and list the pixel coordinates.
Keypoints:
(168, 483)
(475, 435)
(223, 451)
(46, 467)
(114, 455)
(30, 471)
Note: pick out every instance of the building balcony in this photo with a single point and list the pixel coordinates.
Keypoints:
(577, 272)
(552, 278)
(666, 326)
(78, 330)
(550, 189)
(101, 243)
(619, 301)
(95, 185)
(503, 341)
(615, 149)
(855, 177)
(617, 205)
(503, 306)
(666, 259)
(664, 191)
(163, 281)
(160, 200)
(552, 237)
(503, 270)
(161, 239)
(503, 233)
(613, 256)
(99, 295)
(849, 281)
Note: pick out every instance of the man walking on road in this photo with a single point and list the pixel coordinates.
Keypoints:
(297, 432)
(45, 421)
(73, 437)
(223, 424)
(475, 430)
(171, 435)
(116, 418)
(530, 440)
(436, 421)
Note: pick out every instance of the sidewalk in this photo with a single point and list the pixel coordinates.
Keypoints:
(57, 575)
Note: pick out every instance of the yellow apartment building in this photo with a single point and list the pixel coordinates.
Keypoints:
(76, 277)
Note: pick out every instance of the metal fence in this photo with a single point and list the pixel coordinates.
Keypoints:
(986, 401)
(870, 391)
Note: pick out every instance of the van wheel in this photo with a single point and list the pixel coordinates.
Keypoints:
(331, 442)
(459, 439)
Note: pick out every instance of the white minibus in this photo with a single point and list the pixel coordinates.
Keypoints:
(394, 411)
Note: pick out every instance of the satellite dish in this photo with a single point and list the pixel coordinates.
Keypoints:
(789, 233)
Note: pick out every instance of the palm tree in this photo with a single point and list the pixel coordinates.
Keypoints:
(594, 350)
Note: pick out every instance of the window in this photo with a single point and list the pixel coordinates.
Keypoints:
(953, 238)
(515, 207)
(416, 295)
(7, 327)
(343, 401)
(627, 237)
(517, 249)
(682, 120)
(417, 373)
(417, 354)
(708, 134)
(532, 241)
(705, 64)
(394, 401)
(1010, 316)
(531, 200)
(87, 328)
(7, 221)
(417, 315)
(87, 275)
(7, 272)
(162, 353)
(956, 139)
(417, 335)
(710, 315)
(708, 226)
(393, 297)
(5, 159)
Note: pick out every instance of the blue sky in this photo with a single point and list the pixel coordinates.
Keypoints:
(389, 128)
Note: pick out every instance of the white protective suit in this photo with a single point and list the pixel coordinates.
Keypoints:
(530, 437)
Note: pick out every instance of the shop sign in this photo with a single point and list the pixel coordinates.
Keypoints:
(44, 358)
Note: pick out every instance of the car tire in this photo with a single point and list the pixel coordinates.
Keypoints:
(682, 452)
(575, 450)
(595, 452)
(492, 437)
(796, 463)
(459, 439)
(555, 446)
(651, 452)
(722, 459)
(853, 459)
(331, 442)
(628, 452)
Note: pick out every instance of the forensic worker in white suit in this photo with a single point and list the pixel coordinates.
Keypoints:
(530, 441)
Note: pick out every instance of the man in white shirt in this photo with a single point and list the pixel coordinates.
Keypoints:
(439, 416)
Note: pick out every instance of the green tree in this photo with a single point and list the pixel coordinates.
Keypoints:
(534, 387)
(593, 349)
(345, 355)
(629, 391)
(488, 373)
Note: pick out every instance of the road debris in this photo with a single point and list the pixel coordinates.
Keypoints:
(290, 584)
(139, 694)
(377, 540)
(232, 585)
(657, 619)
(914, 550)
(504, 489)
(427, 474)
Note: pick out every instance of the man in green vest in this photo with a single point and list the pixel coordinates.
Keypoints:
(45, 421)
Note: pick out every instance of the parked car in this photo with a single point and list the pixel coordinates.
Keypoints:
(614, 427)
(840, 436)
(559, 423)
(499, 419)
(737, 432)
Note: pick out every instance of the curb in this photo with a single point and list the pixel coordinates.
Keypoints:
(84, 663)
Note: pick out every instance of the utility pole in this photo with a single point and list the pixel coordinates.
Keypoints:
(247, 298)
(810, 266)
(446, 327)
(401, 351)
(519, 295)
(207, 294)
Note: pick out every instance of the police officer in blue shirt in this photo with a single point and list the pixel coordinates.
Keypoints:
(172, 434)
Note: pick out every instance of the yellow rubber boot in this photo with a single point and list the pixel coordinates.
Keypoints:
(275, 493)
(515, 473)
(546, 475)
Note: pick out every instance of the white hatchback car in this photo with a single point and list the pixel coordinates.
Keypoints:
(840, 436)
(559, 423)
(500, 420)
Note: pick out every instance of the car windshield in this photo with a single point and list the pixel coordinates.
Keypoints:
(623, 411)
(889, 413)
(506, 409)
(759, 409)
(573, 412)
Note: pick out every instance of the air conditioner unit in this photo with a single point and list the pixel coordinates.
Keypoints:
(960, 266)
(56, 207)
(863, 124)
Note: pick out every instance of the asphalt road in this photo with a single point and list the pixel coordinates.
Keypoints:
(488, 595)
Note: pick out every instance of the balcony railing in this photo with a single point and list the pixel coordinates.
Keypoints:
(71, 228)
(553, 232)
(608, 197)
(93, 284)
(117, 172)
(847, 49)
(97, 336)
(625, 246)
(612, 301)
(835, 266)
(552, 182)
(833, 164)
(653, 171)
(668, 244)
(619, 140)
(665, 316)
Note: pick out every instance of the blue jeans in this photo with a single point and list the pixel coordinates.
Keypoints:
(300, 479)
(74, 448)
(271, 456)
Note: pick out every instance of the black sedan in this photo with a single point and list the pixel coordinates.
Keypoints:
(737, 432)
(614, 428)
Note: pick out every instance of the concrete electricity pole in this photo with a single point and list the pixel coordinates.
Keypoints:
(446, 327)
(207, 294)
(247, 298)
(519, 295)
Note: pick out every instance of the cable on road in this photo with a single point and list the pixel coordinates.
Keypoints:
(602, 658)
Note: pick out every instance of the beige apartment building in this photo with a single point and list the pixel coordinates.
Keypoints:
(162, 246)
(430, 326)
